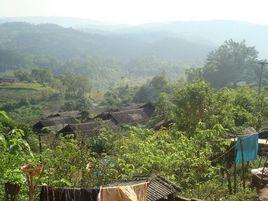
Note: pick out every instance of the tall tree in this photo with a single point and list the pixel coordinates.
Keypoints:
(193, 104)
(42, 76)
(151, 90)
(227, 65)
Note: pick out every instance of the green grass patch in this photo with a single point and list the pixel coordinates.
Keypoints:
(20, 90)
(22, 85)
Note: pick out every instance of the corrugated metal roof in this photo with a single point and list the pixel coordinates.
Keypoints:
(159, 187)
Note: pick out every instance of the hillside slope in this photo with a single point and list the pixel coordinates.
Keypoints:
(51, 39)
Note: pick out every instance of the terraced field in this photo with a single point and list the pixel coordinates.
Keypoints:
(25, 101)
(17, 91)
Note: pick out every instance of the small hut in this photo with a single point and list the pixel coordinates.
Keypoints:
(130, 116)
(53, 123)
(89, 129)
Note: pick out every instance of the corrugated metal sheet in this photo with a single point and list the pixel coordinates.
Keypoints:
(159, 188)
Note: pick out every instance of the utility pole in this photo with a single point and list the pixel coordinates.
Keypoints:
(262, 63)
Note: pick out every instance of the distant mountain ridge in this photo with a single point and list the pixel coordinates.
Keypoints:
(209, 33)
(109, 53)
(54, 40)
(216, 32)
(106, 58)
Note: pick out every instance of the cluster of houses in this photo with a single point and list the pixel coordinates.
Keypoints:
(80, 122)
(159, 188)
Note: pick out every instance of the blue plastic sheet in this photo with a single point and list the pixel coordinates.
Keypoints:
(250, 148)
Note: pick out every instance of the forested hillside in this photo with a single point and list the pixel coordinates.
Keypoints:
(90, 108)
(106, 59)
(209, 33)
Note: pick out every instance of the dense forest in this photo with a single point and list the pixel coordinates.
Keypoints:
(201, 96)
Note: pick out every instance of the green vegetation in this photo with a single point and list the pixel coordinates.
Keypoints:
(183, 153)
(232, 64)
(61, 69)
(104, 59)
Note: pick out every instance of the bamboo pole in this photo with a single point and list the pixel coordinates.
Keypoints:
(243, 165)
(235, 179)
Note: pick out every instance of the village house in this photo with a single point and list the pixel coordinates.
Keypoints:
(130, 115)
(89, 129)
(53, 123)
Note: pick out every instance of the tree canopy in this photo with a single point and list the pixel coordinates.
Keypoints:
(229, 65)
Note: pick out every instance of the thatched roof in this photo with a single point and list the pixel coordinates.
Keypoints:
(131, 117)
(90, 128)
(159, 188)
(129, 107)
(54, 123)
(137, 106)
(140, 115)
(72, 113)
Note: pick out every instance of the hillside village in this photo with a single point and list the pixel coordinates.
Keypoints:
(132, 113)
(80, 122)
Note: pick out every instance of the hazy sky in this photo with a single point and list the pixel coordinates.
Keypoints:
(140, 11)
